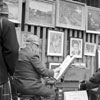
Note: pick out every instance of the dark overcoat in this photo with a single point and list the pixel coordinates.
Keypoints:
(8, 50)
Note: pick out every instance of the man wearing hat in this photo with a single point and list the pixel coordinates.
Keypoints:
(8, 48)
(29, 71)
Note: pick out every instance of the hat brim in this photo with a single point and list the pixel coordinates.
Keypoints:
(4, 13)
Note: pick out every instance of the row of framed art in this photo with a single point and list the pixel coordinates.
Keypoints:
(55, 44)
(59, 13)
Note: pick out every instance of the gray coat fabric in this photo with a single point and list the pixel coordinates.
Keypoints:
(29, 70)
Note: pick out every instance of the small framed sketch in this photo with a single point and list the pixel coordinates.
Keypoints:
(55, 43)
(53, 65)
(15, 10)
(70, 14)
(92, 20)
(76, 47)
(90, 49)
(40, 12)
(75, 95)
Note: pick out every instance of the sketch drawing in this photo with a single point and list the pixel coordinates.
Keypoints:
(75, 95)
(76, 47)
(55, 43)
(90, 49)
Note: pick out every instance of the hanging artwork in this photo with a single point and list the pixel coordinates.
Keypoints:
(76, 47)
(70, 14)
(90, 49)
(55, 43)
(76, 95)
(18, 32)
(40, 12)
(53, 65)
(93, 20)
(15, 10)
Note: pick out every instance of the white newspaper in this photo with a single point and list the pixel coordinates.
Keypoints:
(67, 61)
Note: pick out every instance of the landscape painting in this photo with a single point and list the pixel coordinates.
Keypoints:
(15, 10)
(70, 14)
(39, 12)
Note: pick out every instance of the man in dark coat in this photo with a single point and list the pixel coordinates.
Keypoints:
(92, 83)
(8, 47)
(29, 71)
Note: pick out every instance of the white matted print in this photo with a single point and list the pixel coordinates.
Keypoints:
(15, 10)
(90, 49)
(76, 47)
(75, 95)
(54, 65)
(55, 43)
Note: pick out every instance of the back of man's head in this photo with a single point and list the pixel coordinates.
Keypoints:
(33, 39)
(4, 10)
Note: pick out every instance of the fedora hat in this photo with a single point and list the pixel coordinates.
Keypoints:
(4, 9)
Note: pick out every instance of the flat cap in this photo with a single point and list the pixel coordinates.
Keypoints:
(33, 39)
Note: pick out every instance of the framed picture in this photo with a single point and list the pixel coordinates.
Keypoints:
(70, 14)
(15, 10)
(53, 65)
(90, 49)
(75, 95)
(40, 12)
(93, 20)
(76, 47)
(55, 43)
(18, 32)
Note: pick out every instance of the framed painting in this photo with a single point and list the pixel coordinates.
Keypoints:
(53, 65)
(92, 20)
(76, 47)
(55, 43)
(40, 12)
(70, 14)
(15, 10)
(76, 95)
(90, 49)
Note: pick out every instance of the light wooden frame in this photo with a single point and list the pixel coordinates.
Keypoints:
(46, 10)
(90, 49)
(53, 65)
(76, 44)
(92, 20)
(15, 10)
(55, 43)
(70, 14)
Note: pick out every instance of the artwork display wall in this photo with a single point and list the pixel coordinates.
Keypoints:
(15, 10)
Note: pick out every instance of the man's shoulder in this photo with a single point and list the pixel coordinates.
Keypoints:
(7, 22)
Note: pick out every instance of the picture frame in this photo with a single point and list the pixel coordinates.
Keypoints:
(53, 65)
(55, 43)
(70, 14)
(76, 95)
(92, 20)
(76, 47)
(18, 33)
(15, 10)
(40, 12)
(90, 49)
